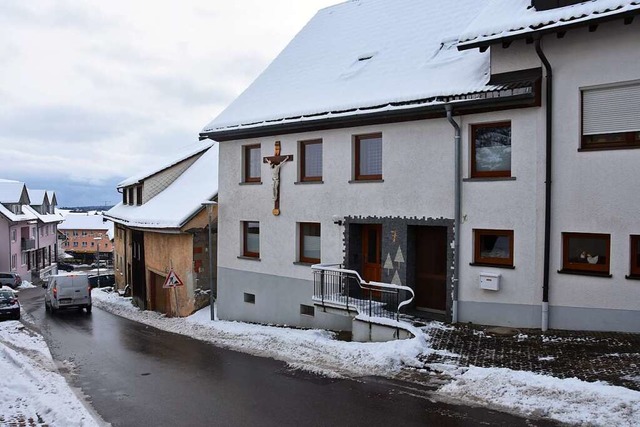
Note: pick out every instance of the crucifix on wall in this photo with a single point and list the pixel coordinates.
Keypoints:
(276, 162)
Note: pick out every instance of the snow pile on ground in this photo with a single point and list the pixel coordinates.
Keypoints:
(312, 350)
(33, 392)
(26, 285)
(532, 395)
(566, 400)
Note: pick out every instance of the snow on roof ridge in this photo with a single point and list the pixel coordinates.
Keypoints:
(496, 20)
(185, 153)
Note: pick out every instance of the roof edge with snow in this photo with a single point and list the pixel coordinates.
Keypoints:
(518, 94)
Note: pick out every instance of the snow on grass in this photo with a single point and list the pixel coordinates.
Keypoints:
(312, 350)
(570, 400)
(31, 386)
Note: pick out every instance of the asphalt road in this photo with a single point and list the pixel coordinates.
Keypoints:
(136, 375)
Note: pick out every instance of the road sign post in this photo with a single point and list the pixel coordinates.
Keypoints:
(173, 281)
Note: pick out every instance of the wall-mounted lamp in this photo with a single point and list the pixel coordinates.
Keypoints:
(337, 220)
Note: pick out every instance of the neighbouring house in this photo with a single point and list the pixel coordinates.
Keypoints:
(87, 237)
(163, 224)
(420, 144)
(28, 231)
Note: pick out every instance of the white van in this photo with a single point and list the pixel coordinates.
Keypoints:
(67, 291)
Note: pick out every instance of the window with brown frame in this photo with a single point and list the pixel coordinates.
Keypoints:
(491, 150)
(493, 247)
(611, 117)
(586, 252)
(309, 244)
(251, 154)
(368, 157)
(635, 257)
(139, 195)
(311, 160)
(251, 239)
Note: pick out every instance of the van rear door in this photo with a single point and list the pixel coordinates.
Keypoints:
(72, 290)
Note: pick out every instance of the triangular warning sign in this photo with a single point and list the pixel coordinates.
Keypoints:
(172, 280)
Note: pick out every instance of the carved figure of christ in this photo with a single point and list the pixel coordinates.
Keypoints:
(275, 163)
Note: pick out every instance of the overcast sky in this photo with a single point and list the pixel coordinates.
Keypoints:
(93, 91)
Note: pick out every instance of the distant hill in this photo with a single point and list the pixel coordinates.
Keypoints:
(78, 209)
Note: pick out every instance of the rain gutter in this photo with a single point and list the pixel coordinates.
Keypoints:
(458, 213)
(547, 204)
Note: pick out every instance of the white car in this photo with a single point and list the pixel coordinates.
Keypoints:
(67, 291)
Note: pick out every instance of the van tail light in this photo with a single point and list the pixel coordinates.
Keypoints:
(55, 293)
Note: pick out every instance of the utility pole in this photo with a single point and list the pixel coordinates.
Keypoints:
(212, 288)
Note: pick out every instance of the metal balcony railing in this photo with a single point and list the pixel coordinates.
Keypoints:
(27, 244)
(345, 289)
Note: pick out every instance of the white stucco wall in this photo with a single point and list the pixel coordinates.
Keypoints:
(593, 192)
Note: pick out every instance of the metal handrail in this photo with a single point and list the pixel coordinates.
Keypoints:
(333, 284)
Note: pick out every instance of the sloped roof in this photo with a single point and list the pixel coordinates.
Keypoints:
(46, 218)
(179, 202)
(26, 215)
(84, 221)
(52, 197)
(37, 197)
(512, 18)
(11, 191)
(363, 56)
(186, 153)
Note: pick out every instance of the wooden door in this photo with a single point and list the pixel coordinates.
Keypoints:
(431, 268)
(372, 252)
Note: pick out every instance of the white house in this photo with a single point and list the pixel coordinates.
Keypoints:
(482, 153)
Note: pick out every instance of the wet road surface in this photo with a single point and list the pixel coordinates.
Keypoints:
(136, 375)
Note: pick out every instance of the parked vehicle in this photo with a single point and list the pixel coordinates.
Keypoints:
(65, 266)
(105, 280)
(13, 280)
(67, 291)
(100, 264)
(9, 304)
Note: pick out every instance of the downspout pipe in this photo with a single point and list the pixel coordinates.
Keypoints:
(458, 213)
(547, 202)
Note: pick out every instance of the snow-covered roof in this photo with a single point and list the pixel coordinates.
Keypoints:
(177, 203)
(363, 56)
(26, 215)
(186, 153)
(11, 191)
(52, 197)
(46, 218)
(84, 221)
(512, 18)
(37, 197)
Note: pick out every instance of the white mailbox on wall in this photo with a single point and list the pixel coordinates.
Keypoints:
(490, 281)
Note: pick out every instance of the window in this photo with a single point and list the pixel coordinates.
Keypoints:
(139, 195)
(309, 244)
(130, 195)
(611, 117)
(584, 252)
(311, 160)
(75, 234)
(635, 257)
(124, 196)
(14, 235)
(249, 298)
(491, 150)
(251, 163)
(84, 244)
(23, 258)
(84, 234)
(493, 247)
(307, 310)
(251, 239)
(75, 244)
(92, 244)
(368, 157)
(14, 261)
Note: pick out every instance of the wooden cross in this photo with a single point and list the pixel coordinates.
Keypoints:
(276, 162)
